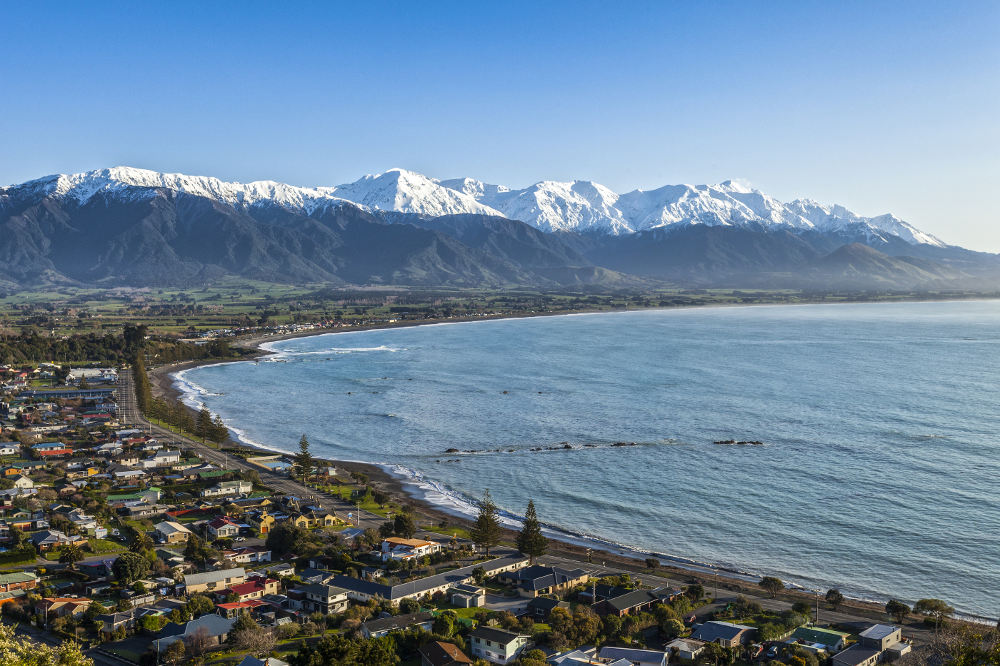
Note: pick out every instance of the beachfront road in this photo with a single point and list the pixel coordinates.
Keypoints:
(130, 414)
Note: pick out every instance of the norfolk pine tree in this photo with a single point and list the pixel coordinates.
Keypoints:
(486, 531)
(530, 541)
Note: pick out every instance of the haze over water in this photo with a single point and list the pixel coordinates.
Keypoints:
(878, 473)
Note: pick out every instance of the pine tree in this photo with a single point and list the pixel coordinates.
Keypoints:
(219, 431)
(530, 540)
(486, 532)
(203, 426)
(303, 460)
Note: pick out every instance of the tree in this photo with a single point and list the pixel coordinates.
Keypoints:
(897, 609)
(444, 624)
(24, 650)
(404, 526)
(198, 551)
(834, 597)
(672, 627)
(479, 575)
(303, 462)
(694, 592)
(530, 540)
(933, 609)
(141, 543)
(486, 531)
(219, 433)
(70, 554)
(771, 585)
(174, 653)
(130, 567)
(203, 425)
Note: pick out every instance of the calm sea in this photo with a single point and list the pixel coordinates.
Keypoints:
(880, 457)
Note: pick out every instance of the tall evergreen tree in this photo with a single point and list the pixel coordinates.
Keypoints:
(304, 463)
(203, 425)
(486, 531)
(530, 540)
(219, 431)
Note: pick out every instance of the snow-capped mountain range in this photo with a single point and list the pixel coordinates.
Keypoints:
(580, 206)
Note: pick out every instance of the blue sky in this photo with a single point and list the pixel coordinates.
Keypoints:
(882, 107)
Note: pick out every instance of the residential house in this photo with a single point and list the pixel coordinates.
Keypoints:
(495, 645)
(53, 607)
(535, 580)
(254, 588)
(364, 590)
(247, 555)
(23, 482)
(437, 653)
(396, 548)
(633, 656)
(464, 595)
(687, 649)
(725, 634)
(143, 510)
(234, 608)
(8, 449)
(385, 625)
(880, 636)
(46, 540)
(226, 488)
(261, 521)
(170, 532)
(222, 527)
(213, 581)
(20, 580)
(819, 639)
(324, 598)
(162, 458)
(634, 601)
(214, 627)
(856, 655)
(540, 607)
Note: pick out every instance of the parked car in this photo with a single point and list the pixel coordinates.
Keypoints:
(240, 539)
(772, 652)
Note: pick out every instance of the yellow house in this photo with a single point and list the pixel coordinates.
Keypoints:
(263, 522)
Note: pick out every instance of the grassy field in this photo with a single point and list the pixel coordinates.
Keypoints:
(231, 303)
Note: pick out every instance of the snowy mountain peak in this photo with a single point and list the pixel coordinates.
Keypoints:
(579, 205)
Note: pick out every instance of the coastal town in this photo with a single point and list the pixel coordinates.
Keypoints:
(127, 540)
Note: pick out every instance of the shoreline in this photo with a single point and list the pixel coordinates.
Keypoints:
(411, 489)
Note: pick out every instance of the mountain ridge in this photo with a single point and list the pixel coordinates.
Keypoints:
(582, 206)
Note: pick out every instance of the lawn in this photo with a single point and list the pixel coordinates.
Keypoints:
(450, 530)
(101, 546)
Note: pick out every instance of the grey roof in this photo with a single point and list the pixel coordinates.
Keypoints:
(397, 622)
(538, 577)
(714, 630)
(854, 655)
(631, 655)
(322, 590)
(547, 604)
(878, 631)
(214, 576)
(632, 599)
(215, 625)
(501, 636)
(267, 661)
(392, 592)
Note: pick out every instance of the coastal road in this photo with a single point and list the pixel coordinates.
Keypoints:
(130, 414)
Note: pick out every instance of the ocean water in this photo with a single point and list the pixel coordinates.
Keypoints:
(878, 471)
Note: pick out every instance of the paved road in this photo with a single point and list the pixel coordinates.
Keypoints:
(130, 414)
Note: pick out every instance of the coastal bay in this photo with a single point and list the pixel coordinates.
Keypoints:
(837, 442)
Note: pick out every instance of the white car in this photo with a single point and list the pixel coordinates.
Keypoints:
(240, 539)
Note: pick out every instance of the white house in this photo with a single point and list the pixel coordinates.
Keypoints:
(8, 450)
(395, 548)
(162, 458)
(228, 488)
(495, 645)
(23, 482)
